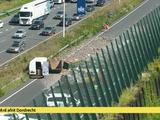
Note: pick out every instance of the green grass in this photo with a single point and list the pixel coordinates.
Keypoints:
(5, 6)
(19, 65)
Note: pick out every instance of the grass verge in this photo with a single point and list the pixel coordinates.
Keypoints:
(19, 66)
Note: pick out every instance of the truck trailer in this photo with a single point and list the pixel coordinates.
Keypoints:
(33, 10)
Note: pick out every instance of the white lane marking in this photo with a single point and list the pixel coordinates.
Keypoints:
(1, 32)
(2, 41)
(144, 15)
(2, 51)
(150, 9)
(12, 27)
(122, 18)
(18, 91)
(157, 5)
(6, 29)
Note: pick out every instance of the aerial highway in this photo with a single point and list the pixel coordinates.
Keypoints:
(32, 88)
(33, 37)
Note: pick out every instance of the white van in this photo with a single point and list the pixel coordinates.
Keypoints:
(59, 100)
(38, 67)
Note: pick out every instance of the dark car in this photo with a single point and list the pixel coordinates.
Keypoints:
(76, 16)
(17, 46)
(68, 21)
(15, 19)
(37, 24)
(48, 30)
(90, 8)
(100, 2)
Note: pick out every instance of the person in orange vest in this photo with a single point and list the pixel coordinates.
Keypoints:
(106, 26)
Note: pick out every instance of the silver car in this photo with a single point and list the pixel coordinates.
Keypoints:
(60, 14)
(48, 30)
(90, 1)
(73, 1)
(76, 17)
(20, 33)
(17, 46)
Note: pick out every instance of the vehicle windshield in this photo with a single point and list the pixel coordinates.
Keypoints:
(60, 12)
(48, 28)
(16, 16)
(19, 31)
(36, 22)
(15, 45)
(24, 14)
(75, 14)
(89, 5)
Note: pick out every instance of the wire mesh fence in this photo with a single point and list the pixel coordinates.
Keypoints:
(99, 81)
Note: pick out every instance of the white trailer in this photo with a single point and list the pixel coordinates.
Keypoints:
(58, 1)
(33, 10)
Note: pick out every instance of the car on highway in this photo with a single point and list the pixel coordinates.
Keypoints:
(51, 3)
(100, 2)
(90, 8)
(37, 24)
(73, 1)
(1, 24)
(60, 14)
(17, 46)
(59, 100)
(20, 33)
(15, 19)
(10, 116)
(90, 1)
(68, 21)
(48, 30)
(76, 16)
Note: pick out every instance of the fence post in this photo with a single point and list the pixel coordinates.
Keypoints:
(64, 101)
(149, 39)
(37, 114)
(93, 116)
(139, 57)
(118, 68)
(154, 40)
(127, 82)
(26, 115)
(133, 70)
(142, 45)
(127, 62)
(72, 99)
(144, 42)
(110, 81)
(134, 55)
(116, 82)
(104, 83)
(140, 48)
(55, 102)
(86, 117)
(153, 13)
(92, 87)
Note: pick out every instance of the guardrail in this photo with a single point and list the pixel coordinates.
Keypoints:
(14, 9)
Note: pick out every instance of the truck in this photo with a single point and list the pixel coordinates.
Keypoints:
(41, 66)
(33, 11)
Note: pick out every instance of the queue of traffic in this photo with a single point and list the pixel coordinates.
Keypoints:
(34, 13)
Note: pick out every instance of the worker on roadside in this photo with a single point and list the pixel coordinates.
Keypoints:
(106, 26)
